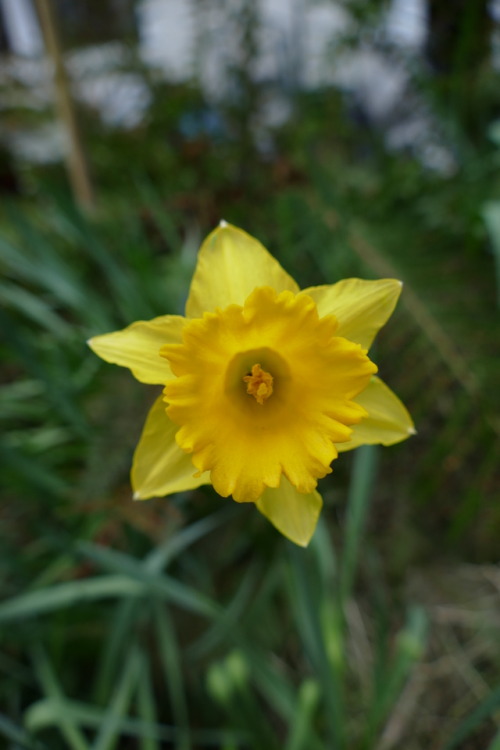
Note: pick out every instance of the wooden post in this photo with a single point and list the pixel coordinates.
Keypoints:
(76, 162)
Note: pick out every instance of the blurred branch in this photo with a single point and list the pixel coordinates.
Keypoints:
(76, 161)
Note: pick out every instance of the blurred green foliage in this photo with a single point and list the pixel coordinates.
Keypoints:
(188, 623)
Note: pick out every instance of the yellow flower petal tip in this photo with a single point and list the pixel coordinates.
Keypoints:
(294, 514)
(263, 384)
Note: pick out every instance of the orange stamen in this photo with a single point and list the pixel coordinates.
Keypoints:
(259, 384)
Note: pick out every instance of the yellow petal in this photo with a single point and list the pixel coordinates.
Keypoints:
(361, 307)
(291, 512)
(160, 467)
(388, 420)
(230, 265)
(248, 443)
(138, 346)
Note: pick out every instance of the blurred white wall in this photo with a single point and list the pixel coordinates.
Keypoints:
(22, 27)
(299, 45)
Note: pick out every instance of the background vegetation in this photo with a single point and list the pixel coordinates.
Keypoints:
(189, 622)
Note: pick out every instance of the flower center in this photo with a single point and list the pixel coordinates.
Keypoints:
(259, 384)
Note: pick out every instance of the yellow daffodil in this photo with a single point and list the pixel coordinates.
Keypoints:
(263, 383)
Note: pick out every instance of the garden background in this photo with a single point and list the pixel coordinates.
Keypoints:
(353, 138)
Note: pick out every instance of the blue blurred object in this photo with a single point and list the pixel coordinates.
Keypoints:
(200, 123)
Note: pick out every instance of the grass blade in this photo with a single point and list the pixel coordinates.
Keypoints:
(44, 714)
(223, 627)
(115, 644)
(51, 687)
(300, 734)
(163, 586)
(63, 595)
(307, 603)
(491, 216)
(146, 706)
(172, 668)
(18, 735)
(110, 729)
(495, 744)
(482, 712)
(409, 648)
(360, 491)
(164, 553)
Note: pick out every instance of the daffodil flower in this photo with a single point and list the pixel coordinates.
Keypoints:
(264, 384)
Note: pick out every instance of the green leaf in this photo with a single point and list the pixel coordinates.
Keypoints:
(360, 492)
(62, 595)
(308, 602)
(65, 722)
(491, 215)
(162, 555)
(474, 720)
(495, 744)
(226, 624)
(33, 470)
(146, 706)
(163, 586)
(114, 647)
(172, 670)
(18, 735)
(44, 714)
(410, 645)
(110, 728)
(271, 681)
(301, 734)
